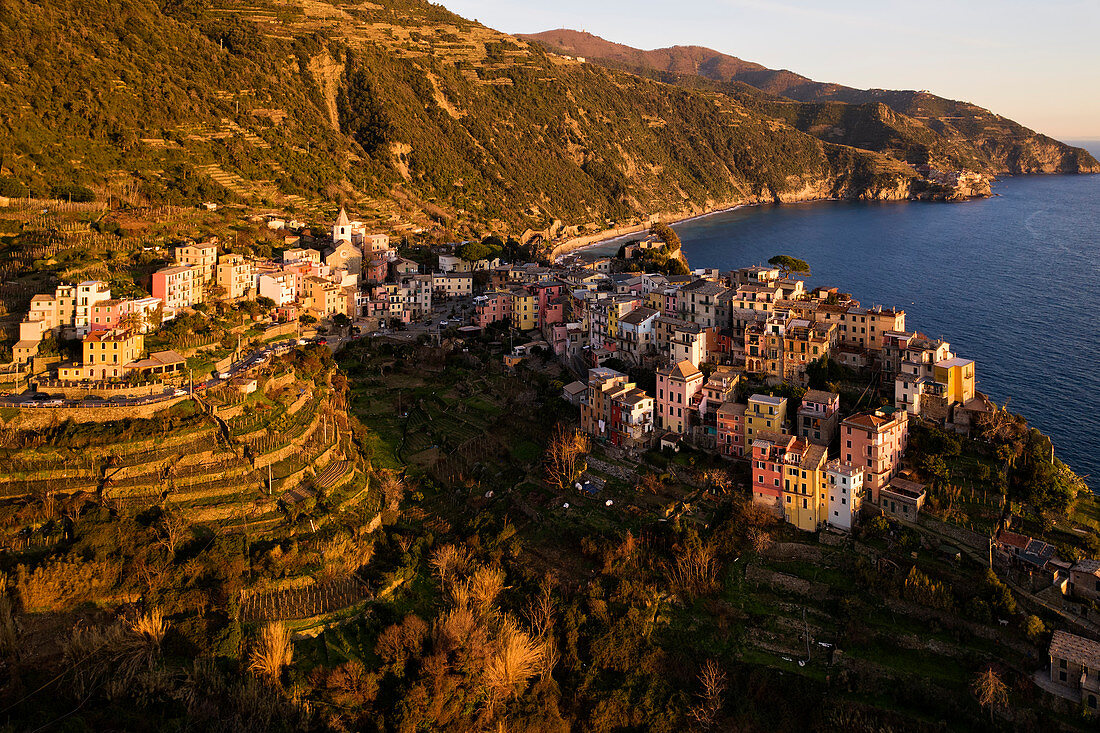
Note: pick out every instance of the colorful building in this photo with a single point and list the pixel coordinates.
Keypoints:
(731, 429)
(179, 286)
(106, 355)
(818, 416)
(764, 413)
(613, 409)
(957, 377)
(494, 307)
(676, 386)
(768, 454)
(234, 276)
(875, 442)
(203, 257)
(805, 498)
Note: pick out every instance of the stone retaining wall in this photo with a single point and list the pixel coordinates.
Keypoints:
(38, 418)
(106, 390)
(789, 583)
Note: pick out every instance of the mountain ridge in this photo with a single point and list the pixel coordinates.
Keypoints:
(999, 145)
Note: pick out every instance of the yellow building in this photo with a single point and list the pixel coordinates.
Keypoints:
(203, 256)
(525, 310)
(764, 412)
(234, 275)
(106, 354)
(805, 486)
(957, 376)
(323, 298)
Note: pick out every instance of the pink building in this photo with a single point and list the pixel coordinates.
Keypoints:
(676, 386)
(376, 270)
(491, 308)
(105, 315)
(875, 442)
(551, 307)
(731, 429)
(768, 454)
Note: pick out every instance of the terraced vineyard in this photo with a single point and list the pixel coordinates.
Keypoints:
(289, 437)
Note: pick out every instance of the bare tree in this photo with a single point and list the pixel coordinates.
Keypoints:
(564, 455)
(648, 483)
(393, 489)
(517, 658)
(695, 571)
(273, 652)
(990, 691)
(485, 585)
(717, 481)
(759, 540)
(540, 611)
(713, 681)
(172, 530)
(449, 559)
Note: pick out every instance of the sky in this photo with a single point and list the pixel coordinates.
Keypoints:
(1034, 61)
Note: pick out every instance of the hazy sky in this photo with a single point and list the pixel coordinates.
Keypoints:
(1034, 61)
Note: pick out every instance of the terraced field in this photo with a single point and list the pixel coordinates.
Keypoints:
(232, 477)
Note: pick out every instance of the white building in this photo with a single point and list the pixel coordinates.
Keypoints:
(87, 295)
(281, 287)
(845, 486)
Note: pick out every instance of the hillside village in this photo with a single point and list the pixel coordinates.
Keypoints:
(810, 397)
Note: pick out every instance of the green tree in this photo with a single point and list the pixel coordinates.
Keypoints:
(790, 265)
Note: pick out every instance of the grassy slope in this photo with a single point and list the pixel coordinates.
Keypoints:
(475, 127)
(948, 132)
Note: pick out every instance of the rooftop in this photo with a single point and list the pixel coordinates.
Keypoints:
(1091, 567)
(905, 489)
(1086, 652)
(820, 396)
(732, 408)
(575, 388)
(682, 370)
(767, 399)
(638, 315)
(837, 467)
(954, 362)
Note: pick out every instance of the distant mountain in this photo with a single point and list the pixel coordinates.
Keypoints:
(915, 126)
(414, 116)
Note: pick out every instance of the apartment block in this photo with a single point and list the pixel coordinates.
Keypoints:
(234, 276)
(845, 487)
(676, 386)
(875, 442)
(203, 257)
(764, 413)
(818, 417)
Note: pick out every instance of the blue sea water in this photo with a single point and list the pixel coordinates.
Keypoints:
(1012, 282)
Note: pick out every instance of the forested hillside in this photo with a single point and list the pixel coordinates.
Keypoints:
(401, 104)
(915, 126)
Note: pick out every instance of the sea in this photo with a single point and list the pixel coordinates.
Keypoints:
(1012, 281)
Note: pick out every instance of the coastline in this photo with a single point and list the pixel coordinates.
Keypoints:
(578, 244)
